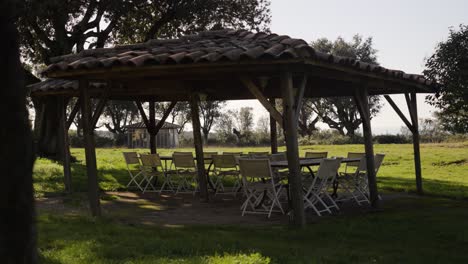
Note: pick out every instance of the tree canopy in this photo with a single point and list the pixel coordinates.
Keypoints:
(449, 67)
(340, 113)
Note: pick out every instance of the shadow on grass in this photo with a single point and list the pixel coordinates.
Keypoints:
(420, 232)
(431, 187)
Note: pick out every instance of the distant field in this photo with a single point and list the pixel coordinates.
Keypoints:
(444, 167)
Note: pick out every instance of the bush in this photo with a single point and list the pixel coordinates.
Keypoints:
(329, 137)
(391, 139)
(101, 142)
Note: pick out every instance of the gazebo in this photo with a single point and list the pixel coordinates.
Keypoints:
(227, 65)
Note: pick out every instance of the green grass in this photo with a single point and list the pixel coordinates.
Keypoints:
(409, 230)
(444, 167)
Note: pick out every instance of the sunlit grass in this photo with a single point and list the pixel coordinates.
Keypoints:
(444, 167)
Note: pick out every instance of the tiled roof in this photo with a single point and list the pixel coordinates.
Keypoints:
(214, 46)
(143, 126)
(59, 84)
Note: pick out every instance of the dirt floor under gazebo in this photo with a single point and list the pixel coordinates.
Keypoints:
(184, 209)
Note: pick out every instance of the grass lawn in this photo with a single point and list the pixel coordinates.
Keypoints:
(428, 229)
(444, 168)
(409, 230)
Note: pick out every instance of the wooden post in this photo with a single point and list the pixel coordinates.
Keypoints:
(90, 151)
(273, 130)
(64, 141)
(361, 99)
(292, 149)
(198, 142)
(152, 124)
(413, 126)
(417, 154)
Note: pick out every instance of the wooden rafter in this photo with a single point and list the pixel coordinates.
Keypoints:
(143, 114)
(262, 99)
(73, 113)
(400, 114)
(164, 117)
(300, 94)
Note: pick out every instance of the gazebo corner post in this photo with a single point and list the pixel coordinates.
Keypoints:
(273, 131)
(65, 142)
(362, 103)
(152, 126)
(198, 143)
(90, 150)
(416, 148)
(292, 149)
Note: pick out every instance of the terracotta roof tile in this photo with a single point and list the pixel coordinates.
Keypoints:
(212, 46)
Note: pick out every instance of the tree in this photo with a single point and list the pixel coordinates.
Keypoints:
(340, 113)
(50, 28)
(224, 128)
(243, 123)
(179, 115)
(308, 119)
(17, 224)
(449, 67)
(119, 114)
(209, 112)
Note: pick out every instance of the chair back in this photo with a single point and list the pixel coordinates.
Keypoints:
(316, 155)
(224, 161)
(328, 169)
(378, 159)
(255, 168)
(278, 156)
(131, 158)
(150, 160)
(208, 155)
(183, 160)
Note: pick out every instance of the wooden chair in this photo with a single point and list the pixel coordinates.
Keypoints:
(225, 165)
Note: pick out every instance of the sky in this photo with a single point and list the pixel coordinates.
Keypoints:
(404, 33)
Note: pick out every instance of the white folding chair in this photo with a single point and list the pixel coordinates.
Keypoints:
(261, 195)
(151, 167)
(133, 167)
(317, 190)
(363, 182)
(313, 155)
(186, 172)
(225, 165)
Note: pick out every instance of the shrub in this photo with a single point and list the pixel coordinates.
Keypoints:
(391, 139)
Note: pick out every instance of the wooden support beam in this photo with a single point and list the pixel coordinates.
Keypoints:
(98, 111)
(143, 114)
(413, 108)
(73, 113)
(262, 99)
(292, 150)
(152, 126)
(400, 114)
(361, 99)
(64, 142)
(273, 130)
(90, 151)
(300, 95)
(164, 117)
(198, 142)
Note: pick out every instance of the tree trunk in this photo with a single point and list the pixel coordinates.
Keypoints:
(49, 134)
(17, 224)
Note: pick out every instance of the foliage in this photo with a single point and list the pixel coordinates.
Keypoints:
(209, 112)
(51, 28)
(118, 115)
(329, 137)
(391, 139)
(77, 141)
(179, 115)
(449, 67)
(341, 113)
